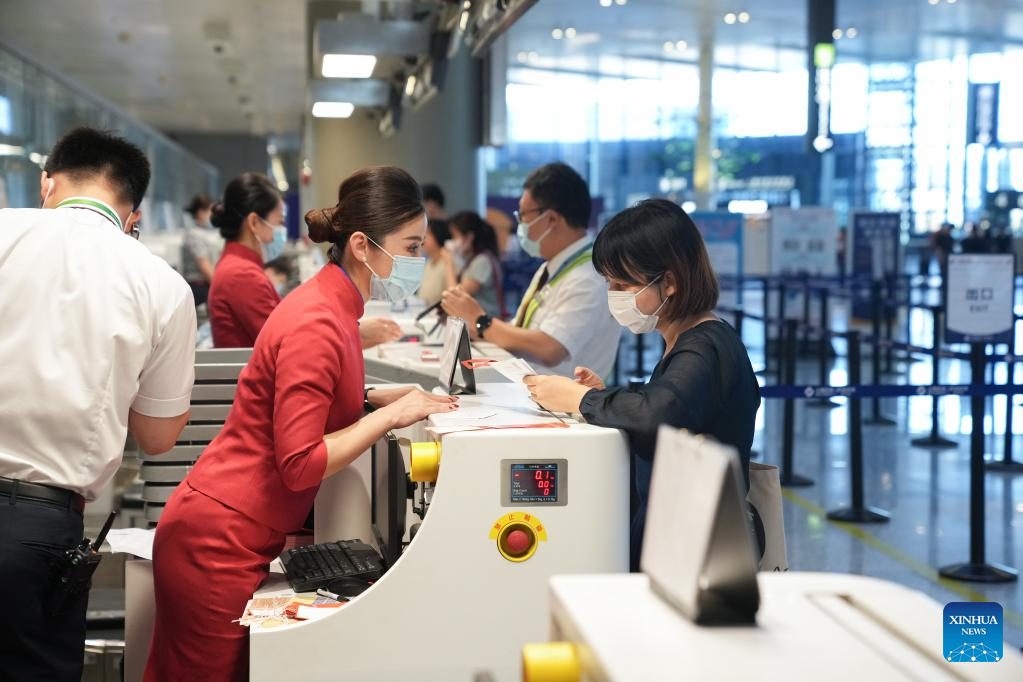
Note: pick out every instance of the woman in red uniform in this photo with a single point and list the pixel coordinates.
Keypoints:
(241, 296)
(256, 482)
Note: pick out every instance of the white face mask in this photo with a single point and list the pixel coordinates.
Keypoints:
(625, 310)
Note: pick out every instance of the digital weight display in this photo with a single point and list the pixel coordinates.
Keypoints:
(534, 483)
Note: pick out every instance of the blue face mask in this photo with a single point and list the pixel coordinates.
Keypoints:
(276, 246)
(406, 275)
(531, 246)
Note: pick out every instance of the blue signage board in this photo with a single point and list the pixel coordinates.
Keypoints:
(875, 254)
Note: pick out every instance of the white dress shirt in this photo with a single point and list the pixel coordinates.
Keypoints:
(574, 312)
(93, 324)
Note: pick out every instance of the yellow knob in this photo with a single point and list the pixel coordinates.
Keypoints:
(425, 459)
(550, 662)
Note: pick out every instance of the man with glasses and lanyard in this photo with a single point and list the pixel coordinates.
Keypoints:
(98, 339)
(563, 321)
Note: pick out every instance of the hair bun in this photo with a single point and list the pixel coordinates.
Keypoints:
(218, 213)
(320, 222)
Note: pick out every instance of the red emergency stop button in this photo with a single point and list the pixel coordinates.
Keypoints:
(517, 542)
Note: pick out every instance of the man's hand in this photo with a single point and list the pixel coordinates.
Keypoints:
(457, 303)
(376, 330)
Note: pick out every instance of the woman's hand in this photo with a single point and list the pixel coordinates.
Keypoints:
(415, 406)
(382, 397)
(589, 378)
(557, 394)
(376, 330)
(456, 302)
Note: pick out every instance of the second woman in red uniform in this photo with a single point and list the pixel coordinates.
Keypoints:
(256, 481)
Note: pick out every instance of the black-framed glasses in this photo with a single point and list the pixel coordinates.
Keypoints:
(538, 211)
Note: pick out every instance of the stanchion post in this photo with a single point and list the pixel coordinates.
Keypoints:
(823, 350)
(766, 315)
(789, 478)
(779, 340)
(935, 440)
(1007, 465)
(858, 512)
(806, 311)
(977, 569)
(888, 296)
(877, 419)
(739, 317)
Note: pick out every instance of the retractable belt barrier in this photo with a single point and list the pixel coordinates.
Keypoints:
(788, 391)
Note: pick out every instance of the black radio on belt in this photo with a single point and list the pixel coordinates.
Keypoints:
(77, 566)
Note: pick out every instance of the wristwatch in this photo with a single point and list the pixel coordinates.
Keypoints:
(483, 323)
(365, 401)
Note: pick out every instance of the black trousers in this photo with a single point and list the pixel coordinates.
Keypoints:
(34, 644)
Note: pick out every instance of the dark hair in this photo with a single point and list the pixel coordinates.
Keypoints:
(557, 187)
(284, 265)
(439, 229)
(245, 194)
(84, 153)
(484, 238)
(434, 193)
(200, 202)
(653, 238)
(375, 201)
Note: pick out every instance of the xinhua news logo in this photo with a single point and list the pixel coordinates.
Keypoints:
(973, 632)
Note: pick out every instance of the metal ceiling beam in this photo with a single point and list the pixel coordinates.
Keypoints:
(362, 92)
(362, 34)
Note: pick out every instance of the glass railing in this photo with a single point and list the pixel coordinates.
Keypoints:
(38, 105)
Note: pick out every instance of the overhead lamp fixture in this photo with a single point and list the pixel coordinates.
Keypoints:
(743, 17)
(348, 65)
(934, 2)
(463, 21)
(730, 18)
(570, 33)
(837, 34)
(621, 3)
(333, 109)
(522, 57)
(606, 3)
(851, 33)
(681, 45)
(557, 34)
(410, 85)
(669, 46)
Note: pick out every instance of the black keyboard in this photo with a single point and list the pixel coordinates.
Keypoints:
(316, 566)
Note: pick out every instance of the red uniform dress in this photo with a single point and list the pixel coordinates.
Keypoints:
(241, 297)
(255, 482)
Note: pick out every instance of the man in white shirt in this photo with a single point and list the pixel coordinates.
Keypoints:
(563, 321)
(98, 339)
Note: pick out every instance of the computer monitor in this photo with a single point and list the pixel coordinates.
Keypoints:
(389, 496)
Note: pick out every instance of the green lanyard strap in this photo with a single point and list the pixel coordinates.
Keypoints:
(95, 206)
(585, 257)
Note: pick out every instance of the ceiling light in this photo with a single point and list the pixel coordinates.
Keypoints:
(557, 34)
(410, 85)
(348, 65)
(621, 3)
(333, 109)
(669, 46)
(851, 33)
(743, 17)
(730, 18)
(534, 56)
(570, 33)
(934, 2)
(837, 34)
(463, 21)
(681, 45)
(467, 5)
(606, 3)
(522, 57)
(951, 2)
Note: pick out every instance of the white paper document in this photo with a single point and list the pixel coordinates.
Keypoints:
(137, 541)
(513, 369)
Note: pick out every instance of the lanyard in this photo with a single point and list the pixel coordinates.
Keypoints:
(584, 255)
(96, 206)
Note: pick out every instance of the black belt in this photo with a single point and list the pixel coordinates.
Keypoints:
(37, 492)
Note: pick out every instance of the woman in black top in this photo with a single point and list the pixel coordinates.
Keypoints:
(660, 277)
